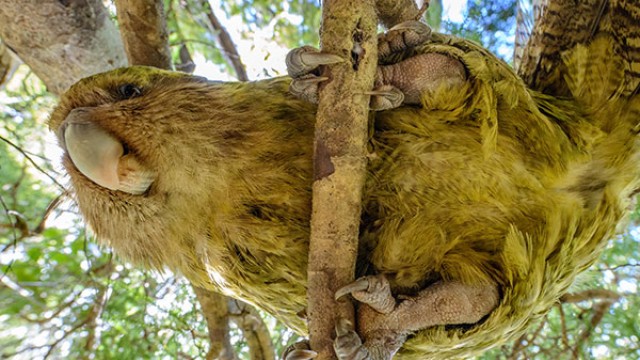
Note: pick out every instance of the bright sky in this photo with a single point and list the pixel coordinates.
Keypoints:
(453, 10)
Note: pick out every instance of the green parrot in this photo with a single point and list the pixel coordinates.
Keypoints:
(484, 197)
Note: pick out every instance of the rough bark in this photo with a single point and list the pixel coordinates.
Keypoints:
(348, 30)
(144, 32)
(215, 310)
(61, 41)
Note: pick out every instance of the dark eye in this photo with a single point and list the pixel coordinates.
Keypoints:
(128, 91)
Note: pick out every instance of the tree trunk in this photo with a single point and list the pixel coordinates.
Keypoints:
(144, 32)
(61, 41)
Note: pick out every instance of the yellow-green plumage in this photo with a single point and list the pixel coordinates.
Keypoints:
(486, 182)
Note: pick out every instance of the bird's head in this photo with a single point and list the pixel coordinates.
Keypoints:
(139, 146)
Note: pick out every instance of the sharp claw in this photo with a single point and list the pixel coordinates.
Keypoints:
(348, 344)
(343, 327)
(358, 285)
(389, 98)
(306, 88)
(299, 354)
(315, 59)
(299, 351)
(303, 60)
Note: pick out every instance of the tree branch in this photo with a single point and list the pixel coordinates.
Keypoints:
(593, 294)
(35, 165)
(61, 41)
(144, 32)
(348, 30)
(215, 310)
(226, 45)
(254, 329)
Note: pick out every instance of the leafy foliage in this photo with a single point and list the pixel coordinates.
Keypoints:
(63, 296)
(295, 21)
(491, 23)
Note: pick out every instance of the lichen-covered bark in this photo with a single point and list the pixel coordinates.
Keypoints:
(348, 30)
(61, 41)
(144, 32)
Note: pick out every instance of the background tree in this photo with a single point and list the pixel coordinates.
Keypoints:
(63, 296)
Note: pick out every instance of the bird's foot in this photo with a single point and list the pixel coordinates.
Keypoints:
(374, 291)
(299, 351)
(384, 322)
(385, 97)
(380, 345)
(304, 65)
(401, 37)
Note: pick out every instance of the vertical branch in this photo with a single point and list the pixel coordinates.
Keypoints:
(215, 310)
(226, 45)
(144, 32)
(253, 328)
(348, 30)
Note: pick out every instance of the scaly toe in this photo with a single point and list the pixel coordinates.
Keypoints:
(401, 37)
(306, 88)
(374, 291)
(348, 345)
(385, 97)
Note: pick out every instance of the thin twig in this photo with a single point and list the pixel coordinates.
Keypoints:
(48, 211)
(32, 162)
(224, 41)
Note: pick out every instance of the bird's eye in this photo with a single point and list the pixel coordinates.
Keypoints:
(128, 91)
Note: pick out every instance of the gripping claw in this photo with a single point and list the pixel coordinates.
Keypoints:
(299, 351)
(304, 60)
(385, 97)
(401, 37)
(374, 291)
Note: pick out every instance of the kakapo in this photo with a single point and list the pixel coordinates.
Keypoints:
(485, 191)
